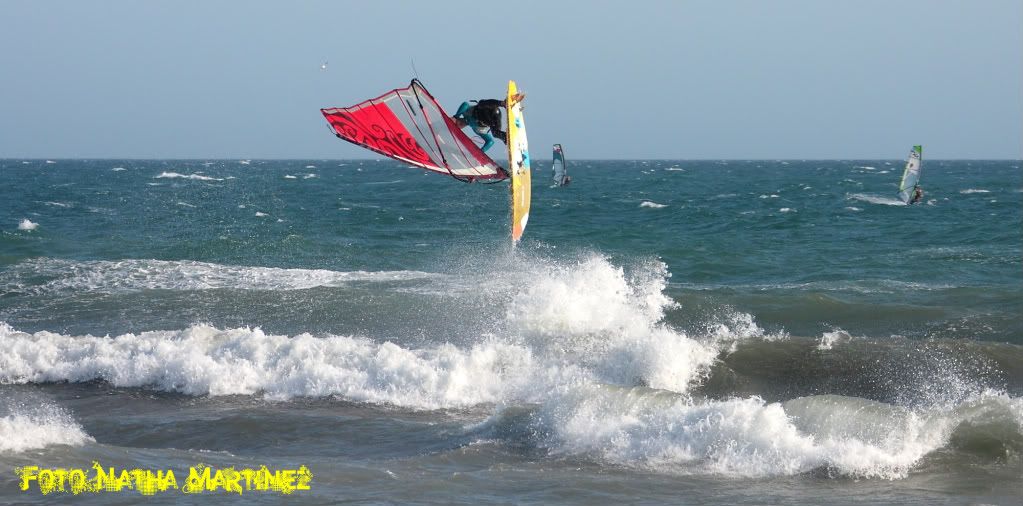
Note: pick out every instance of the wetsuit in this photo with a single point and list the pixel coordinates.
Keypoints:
(468, 113)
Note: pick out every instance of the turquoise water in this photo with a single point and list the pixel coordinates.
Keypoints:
(704, 331)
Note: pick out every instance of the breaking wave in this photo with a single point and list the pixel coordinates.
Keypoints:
(30, 427)
(582, 365)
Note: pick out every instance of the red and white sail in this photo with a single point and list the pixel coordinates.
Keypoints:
(408, 124)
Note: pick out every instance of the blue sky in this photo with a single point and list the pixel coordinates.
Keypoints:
(607, 79)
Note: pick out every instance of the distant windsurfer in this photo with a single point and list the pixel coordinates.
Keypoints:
(918, 195)
(484, 117)
(558, 164)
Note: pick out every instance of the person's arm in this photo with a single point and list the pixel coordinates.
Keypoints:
(462, 111)
(516, 98)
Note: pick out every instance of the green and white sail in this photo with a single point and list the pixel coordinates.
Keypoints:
(911, 176)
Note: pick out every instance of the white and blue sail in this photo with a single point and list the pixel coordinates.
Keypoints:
(559, 167)
(911, 176)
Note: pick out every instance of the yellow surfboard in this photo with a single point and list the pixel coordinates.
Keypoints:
(518, 164)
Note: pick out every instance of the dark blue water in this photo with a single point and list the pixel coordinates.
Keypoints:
(667, 331)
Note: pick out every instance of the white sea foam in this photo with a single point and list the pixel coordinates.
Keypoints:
(38, 426)
(202, 360)
(583, 342)
(874, 199)
(786, 210)
(261, 214)
(27, 225)
(729, 326)
(852, 208)
(197, 177)
(865, 167)
(974, 190)
(117, 169)
(608, 331)
(185, 204)
(580, 414)
(134, 275)
(289, 176)
(749, 437)
(830, 339)
(309, 176)
(650, 204)
(595, 314)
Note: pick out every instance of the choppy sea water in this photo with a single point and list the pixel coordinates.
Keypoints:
(691, 332)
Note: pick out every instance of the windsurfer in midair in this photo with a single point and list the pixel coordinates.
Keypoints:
(484, 117)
